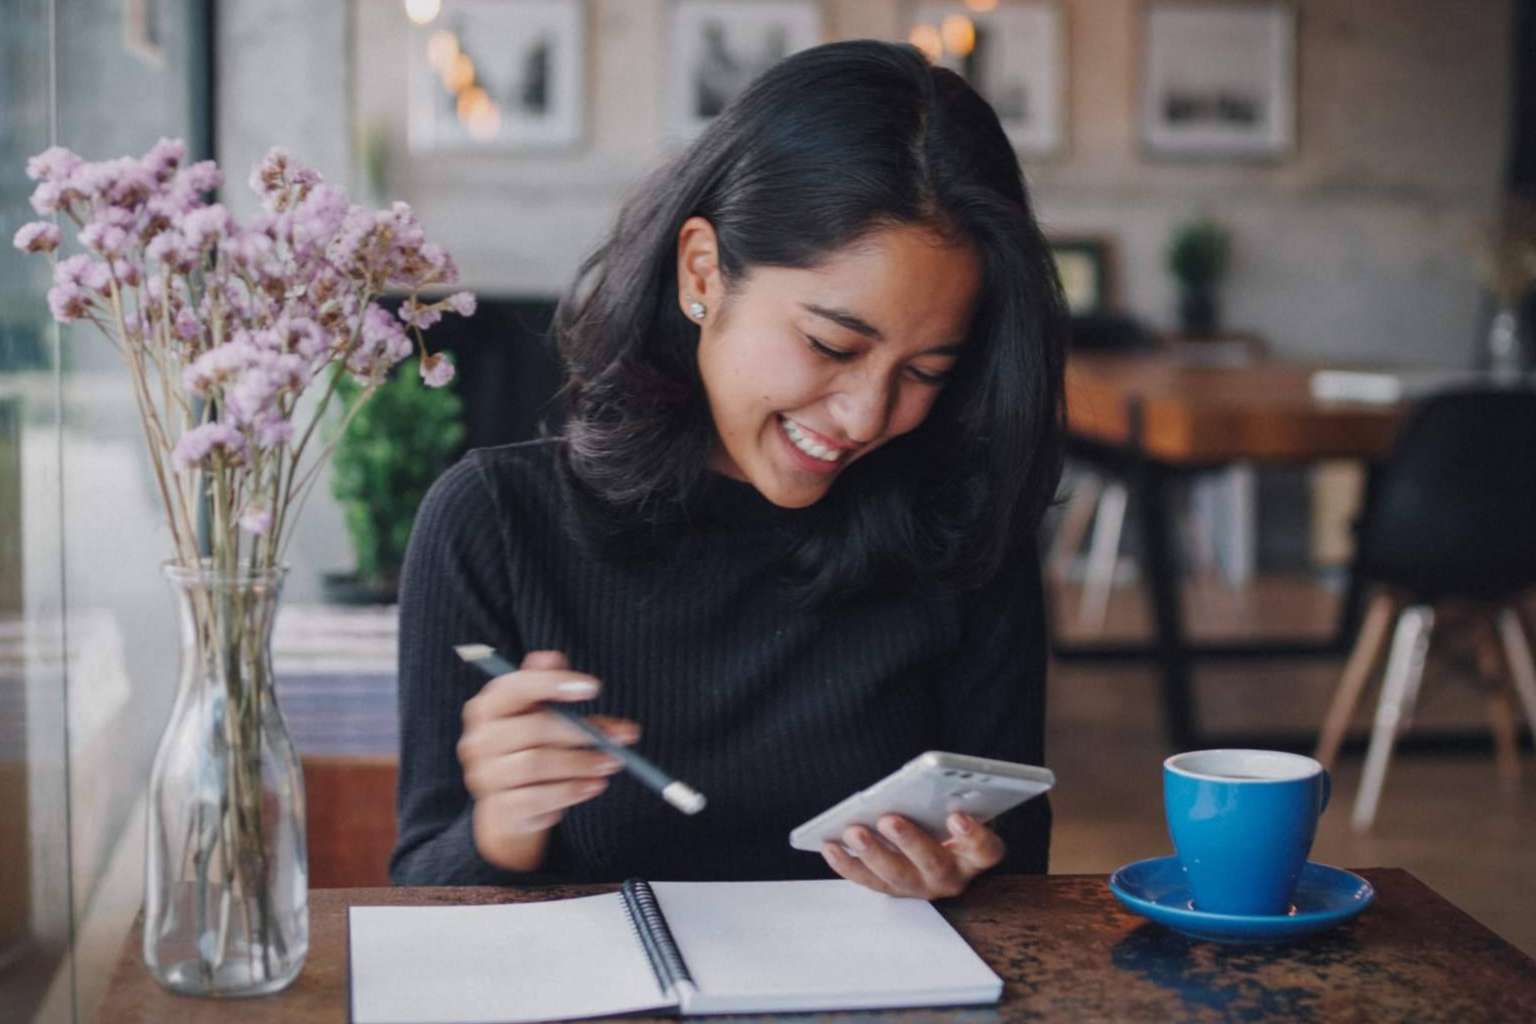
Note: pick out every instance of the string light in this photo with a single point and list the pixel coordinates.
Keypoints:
(422, 11)
(927, 39)
(460, 74)
(442, 48)
(959, 34)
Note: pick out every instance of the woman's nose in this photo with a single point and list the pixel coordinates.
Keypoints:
(863, 407)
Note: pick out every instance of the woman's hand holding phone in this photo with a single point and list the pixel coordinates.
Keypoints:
(902, 859)
(524, 765)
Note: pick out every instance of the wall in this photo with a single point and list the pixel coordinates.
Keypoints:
(1358, 246)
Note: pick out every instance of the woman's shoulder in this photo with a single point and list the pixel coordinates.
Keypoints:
(510, 480)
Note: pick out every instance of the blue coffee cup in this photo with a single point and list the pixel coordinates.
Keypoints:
(1242, 823)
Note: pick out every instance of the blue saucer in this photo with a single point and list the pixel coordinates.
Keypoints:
(1324, 897)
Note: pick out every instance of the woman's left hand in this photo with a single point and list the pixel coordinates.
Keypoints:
(904, 860)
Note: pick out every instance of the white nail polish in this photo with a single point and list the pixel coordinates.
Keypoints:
(578, 688)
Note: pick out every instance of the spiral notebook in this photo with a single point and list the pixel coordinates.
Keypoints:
(672, 947)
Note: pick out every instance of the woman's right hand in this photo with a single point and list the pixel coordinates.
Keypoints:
(525, 765)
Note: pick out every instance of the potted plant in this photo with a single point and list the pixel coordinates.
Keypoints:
(1197, 258)
(389, 454)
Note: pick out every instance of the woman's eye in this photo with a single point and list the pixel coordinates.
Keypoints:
(927, 376)
(828, 350)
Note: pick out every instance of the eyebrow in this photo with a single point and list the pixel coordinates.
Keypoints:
(858, 325)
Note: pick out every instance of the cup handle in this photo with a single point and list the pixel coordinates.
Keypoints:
(1327, 790)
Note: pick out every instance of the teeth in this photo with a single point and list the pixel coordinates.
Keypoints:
(815, 449)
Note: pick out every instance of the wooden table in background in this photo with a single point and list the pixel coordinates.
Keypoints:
(1150, 416)
(1065, 950)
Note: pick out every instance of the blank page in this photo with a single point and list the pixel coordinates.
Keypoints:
(510, 962)
(817, 945)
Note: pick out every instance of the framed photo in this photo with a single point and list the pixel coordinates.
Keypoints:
(498, 75)
(719, 46)
(1083, 264)
(1218, 80)
(1014, 55)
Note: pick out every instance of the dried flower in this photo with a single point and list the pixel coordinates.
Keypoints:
(436, 370)
(38, 236)
(227, 325)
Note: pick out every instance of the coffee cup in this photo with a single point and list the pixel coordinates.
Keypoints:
(1242, 824)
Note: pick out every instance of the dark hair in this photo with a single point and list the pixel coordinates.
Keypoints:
(826, 147)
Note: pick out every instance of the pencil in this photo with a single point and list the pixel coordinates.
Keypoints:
(679, 794)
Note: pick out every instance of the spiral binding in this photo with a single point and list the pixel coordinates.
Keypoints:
(655, 937)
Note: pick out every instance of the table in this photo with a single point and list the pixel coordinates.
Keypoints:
(1151, 416)
(1065, 950)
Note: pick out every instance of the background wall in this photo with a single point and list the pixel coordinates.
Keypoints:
(1360, 245)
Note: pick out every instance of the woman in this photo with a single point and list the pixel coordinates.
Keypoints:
(813, 420)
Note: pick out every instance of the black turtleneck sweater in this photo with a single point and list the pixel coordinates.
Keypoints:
(773, 712)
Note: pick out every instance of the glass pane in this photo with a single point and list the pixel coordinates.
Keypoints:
(34, 878)
(88, 640)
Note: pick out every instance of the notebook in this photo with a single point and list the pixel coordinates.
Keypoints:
(685, 947)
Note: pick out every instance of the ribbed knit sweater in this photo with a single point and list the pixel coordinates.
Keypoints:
(773, 712)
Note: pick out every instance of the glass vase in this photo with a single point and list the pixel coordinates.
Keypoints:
(226, 877)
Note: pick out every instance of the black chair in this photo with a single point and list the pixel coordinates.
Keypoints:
(1450, 516)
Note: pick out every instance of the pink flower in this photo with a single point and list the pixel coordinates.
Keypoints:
(436, 370)
(203, 176)
(200, 445)
(68, 302)
(462, 303)
(163, 158)
(274, 430)
(47, 198)
(206, 225)
(187, 325)
(269, 176)
(104, 238)
(53, 164)
(83, 272)
(127, 273)
(256, 519)
(419, 316)
(38, 236)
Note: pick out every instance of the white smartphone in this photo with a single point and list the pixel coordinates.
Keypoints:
(925, 790)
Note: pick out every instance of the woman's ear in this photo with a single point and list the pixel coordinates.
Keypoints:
(698, 268)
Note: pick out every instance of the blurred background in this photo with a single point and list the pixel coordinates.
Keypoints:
(1285, 229)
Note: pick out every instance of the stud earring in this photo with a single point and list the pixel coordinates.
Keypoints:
(697, 310)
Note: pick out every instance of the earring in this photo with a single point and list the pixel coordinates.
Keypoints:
(696, 310)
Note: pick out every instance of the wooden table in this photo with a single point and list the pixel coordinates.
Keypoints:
(1065, 950)
(1150, 416)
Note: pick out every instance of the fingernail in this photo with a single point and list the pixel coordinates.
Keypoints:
(894, 827)
(962, 824)
(610, 766)
(593, 787)
(856, 839)
(627, 734)
(578, 688)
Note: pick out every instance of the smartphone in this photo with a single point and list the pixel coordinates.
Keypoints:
(925, 790)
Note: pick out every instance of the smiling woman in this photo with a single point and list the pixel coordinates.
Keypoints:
(813, 407)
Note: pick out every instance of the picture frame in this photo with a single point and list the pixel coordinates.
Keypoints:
(1218, 80)
(1085, 265)
(716, 47)
(1015, 55)
(527, 60)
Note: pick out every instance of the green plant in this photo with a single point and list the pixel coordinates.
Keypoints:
(393, 449)
(1197, 254)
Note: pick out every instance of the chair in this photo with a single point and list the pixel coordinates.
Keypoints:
(1449, 519)
(1094, 499)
